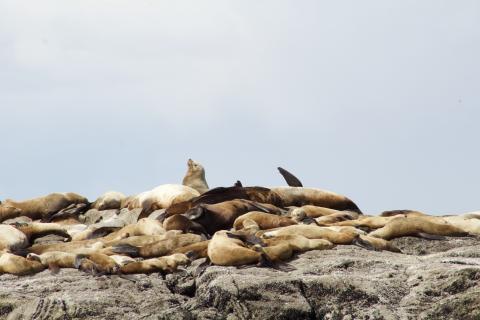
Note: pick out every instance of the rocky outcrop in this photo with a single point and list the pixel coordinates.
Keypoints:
(432, 280)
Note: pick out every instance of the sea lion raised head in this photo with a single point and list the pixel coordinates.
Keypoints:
(195, 177)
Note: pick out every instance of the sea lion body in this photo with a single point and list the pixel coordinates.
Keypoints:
(13, 264)
(225, 251)
(313, 232)
(12, 239)
(55, 258)
(413, 226)
(300, 243)
(9, 212)
(336, 217)
(264, 220)
(163, 264)
(299, 196)
(162, 197)
(109, 200)
(195, 177)
(43, 207)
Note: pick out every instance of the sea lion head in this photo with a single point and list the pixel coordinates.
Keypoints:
(298, 214)
(195, 167)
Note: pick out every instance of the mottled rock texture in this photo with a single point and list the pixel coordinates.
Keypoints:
(437, 279)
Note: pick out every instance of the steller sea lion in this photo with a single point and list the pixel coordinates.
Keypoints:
(17, 265)
(109, 200)
(198, 249)
(313, 232)
(336, 217)
(264, 220)
(158, 248)
(417, 226)
(300, 243)
(310, 211)
(46, 206)
(12, 239)
(36, 230)
(144, 227)
(298, 196)
(9, 212)
(162, 197)
(221, 216)
(163, 264)
(195, 177)
(226, 251)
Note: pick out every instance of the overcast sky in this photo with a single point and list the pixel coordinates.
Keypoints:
(377, 100)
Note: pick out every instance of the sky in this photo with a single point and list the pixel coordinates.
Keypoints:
(376, 100)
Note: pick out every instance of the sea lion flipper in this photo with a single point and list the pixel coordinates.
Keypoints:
(308, 220)
(359, 242)
(291, 180)
(132, 251)
(428, 236)
(54, 268)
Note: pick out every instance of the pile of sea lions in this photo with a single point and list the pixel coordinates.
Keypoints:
(171, 225)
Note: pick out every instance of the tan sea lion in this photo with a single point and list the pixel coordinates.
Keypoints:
(300, 243)
(298, 196)
(310, 211)
(163, 264)
(109, 200)
(144, 227)
(46, 206)
(9, 212)
(162, 197)
(17, 265)
(226, 251)
(199, 249)
(35, 230)
(336, 217)
(12, 239)
(264, 220)
(313, 232)
(159, 248)
(417, 226)
(195, 177)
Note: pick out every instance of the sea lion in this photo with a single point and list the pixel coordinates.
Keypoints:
(17, 265)
(417, 226)
(313, 232)
(195, 177)
(226, 251)
(336, 217)
(467, 222)
(96, 263)
(198, 249)
(144, 227)
(310, 211)
(377, 244)
(298, 196)
(12, 239)
(9, 212)
(44, 207)
(392, 213)
(162, 197)
(163, 264)
(57, 259)
(264, 220)
(35, 230)
(159, 248)
(221, 216)
(182, 223)
(300, 243)
(109, 200)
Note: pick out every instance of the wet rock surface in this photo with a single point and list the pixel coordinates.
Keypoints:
(433, 279)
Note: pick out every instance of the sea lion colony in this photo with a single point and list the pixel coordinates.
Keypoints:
(171, 225)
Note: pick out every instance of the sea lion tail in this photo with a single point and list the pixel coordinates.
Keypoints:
(126, 249)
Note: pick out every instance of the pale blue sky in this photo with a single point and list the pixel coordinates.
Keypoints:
(377, 100)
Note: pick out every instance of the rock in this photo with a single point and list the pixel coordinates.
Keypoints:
(93, 216)
(438, 279)
(130, 216)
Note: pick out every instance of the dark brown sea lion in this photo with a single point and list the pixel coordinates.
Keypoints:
(221, 216)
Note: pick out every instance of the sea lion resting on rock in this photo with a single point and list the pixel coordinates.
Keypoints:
(221, 216)
(195, 177)
(158, 248)
(264, 220)
(46, 206)
(163, 264)
(12, 239)
(313, 232)
(9, 212)
(310, 211)
(298, 196)
(417, 226)
(162, 197)
(109, 200)
(17, 265)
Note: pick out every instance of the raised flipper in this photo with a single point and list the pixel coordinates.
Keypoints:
(291, 180)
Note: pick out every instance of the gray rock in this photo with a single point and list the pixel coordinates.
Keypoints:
(439, 280)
